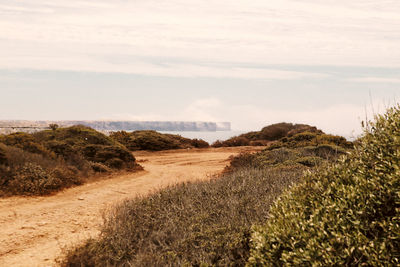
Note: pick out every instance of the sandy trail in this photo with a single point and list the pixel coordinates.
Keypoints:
(34, 230)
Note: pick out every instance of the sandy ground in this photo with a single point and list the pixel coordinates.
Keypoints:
(34, 231)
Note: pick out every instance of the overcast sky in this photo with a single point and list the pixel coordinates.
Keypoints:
(253, 63)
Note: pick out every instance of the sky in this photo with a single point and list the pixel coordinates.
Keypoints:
(322, 62)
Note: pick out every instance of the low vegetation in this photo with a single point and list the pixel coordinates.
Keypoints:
(47, 161)
(311, 139)
(309, 156)
(88, 144)
(155, 141)
(23, 172)
(279, 130)
(284, 135)
(348, 214)
(204, 223)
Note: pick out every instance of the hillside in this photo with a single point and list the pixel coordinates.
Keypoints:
(285, 135)
(50, 160)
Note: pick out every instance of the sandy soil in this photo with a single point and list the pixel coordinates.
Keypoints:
(34, 231)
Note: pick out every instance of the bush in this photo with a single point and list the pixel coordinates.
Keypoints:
(325, 151)
(33, 179)
(268, 134)
(199, 143)
(259, 143)
(348, 214)
(61, 157)
(3, 157)
(80, 145)
(26, 142)
(155, 141)
(27, 173)
(297, 157)
(99, 167)
(311, 139)
(109, 155)
(217, 144)
(280, 130)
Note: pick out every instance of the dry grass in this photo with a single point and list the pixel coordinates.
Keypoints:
(193, 223)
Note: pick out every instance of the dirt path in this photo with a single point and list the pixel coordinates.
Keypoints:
(34, 230)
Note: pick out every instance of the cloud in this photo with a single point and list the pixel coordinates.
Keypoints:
(202, 110)
(21, 9)
(85, 35)
(375, 80)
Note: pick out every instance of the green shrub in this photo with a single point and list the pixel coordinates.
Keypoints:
(274, 132)
(26, 173)
(72, 144)
(199, 143)
(109, 155)
(68, 175)
(348, 214)
(325, 151)
(304, 139)
(237, 141)
(80, 145)
(65, 156)
(33, 179)
(280, 130)
(300, 157)
(155, 141)
(217, 144)
(26, 142)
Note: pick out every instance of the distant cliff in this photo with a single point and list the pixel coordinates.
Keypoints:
(179, 126)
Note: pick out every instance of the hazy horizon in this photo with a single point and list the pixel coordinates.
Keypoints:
(324, 63)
